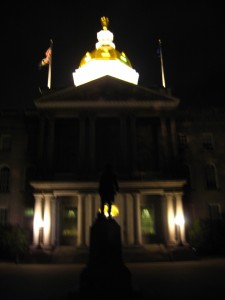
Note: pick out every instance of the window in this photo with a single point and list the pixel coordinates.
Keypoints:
(5, 142)
(214, 212)
(3, 216)
(29, 212)
(211, 177)
(147, 220)
(4, 179)
(148, 224)
(182, 141)
(207, 141)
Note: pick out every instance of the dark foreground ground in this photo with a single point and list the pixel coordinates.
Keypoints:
(153, 280)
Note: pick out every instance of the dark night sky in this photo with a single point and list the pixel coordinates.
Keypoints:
(192, 37)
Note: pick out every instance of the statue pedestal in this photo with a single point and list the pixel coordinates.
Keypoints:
(105, 274)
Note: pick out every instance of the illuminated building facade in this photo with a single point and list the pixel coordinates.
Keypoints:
(169, 163)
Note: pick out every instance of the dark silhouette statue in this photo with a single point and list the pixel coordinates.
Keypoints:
(108, 187)
(105, 275)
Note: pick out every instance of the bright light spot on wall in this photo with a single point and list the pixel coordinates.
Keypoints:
(38, 223)
(179, 220)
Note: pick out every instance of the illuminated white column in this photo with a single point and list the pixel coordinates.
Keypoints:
(170, 218)
(47, 220)
(180, 215)
(38, 221)
(137, 220)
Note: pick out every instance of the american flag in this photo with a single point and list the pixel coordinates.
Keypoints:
(45, 61)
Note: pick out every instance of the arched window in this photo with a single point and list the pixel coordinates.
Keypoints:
(4, 179)
(211, 177)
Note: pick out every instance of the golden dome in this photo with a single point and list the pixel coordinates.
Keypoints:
(105, 60)
(105, 53)
(105, 48)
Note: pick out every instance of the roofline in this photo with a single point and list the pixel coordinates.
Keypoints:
(132, 186)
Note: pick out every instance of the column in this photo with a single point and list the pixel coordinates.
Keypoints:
(170, 218)
(47, 220)
(88, 217)
(97, 204)
(180, 213)
(58, 221)
(53, 221)
(128, 214)
(125, 219)
(94, 206)
(38, 221)
(122, 216)
(81, 222)
(137, 220)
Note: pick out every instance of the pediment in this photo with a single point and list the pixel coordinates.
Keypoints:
(106, 91)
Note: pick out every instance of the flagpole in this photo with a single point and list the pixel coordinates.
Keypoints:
(162, 67)
(50, 66)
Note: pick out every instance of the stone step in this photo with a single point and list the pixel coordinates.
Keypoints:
(147, 253)
(129, 254)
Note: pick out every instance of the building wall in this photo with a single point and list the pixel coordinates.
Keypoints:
(15, 159)
(39, 146)
(205, 147)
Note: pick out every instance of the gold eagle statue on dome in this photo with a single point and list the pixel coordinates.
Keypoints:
(105, 22)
